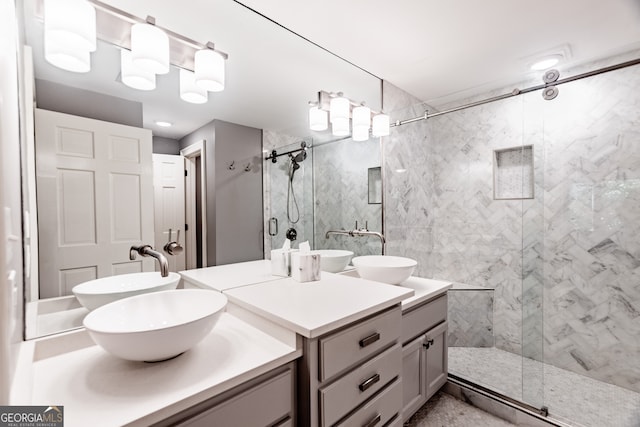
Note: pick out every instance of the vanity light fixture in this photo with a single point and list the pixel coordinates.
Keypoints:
(134, 76)
(189, 90)
(342, 113)
(361, 123)
(71, 30)
(381, 125)
(150, 47)
(209, 69)
(339, 111)
(69, 34)
(317, 118)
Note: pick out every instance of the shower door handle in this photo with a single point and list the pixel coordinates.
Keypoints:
(273, 223)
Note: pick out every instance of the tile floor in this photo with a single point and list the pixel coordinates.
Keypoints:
(572, 398)
(444, 410)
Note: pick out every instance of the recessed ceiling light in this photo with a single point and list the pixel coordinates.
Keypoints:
(546, 63)
(163, 124)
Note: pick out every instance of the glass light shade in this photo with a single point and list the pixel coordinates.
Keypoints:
(133, 76)
(339, 109)
(189, 90)
(340, 127)
(67, 58)
(362, 117)
(380, 126)
(209, 70)
(150, 48)
(71, 24)
(318, 119)
(360, 133)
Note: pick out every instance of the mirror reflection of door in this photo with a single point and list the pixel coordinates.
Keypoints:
(168, 188)
(95, 199)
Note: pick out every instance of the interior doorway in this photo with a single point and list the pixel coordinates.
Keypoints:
(195, 206)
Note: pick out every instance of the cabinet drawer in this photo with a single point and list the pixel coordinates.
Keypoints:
(350, 391)
(378, 410)
(423, 318)
(261, 405)
(342, 349)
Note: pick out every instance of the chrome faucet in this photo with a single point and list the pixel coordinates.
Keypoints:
(358, 233)
(147, 250)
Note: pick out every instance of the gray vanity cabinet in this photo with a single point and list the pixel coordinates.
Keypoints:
(352, 376)
(424, 353)
(266, 401)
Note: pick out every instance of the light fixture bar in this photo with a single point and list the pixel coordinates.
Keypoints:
(114, 27)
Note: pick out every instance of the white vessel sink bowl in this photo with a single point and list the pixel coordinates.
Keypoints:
(384, 268)
(334, 260)
(96, 293)
(156, 326)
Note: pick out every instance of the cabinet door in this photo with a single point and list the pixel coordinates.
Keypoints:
(436, 358)
(413, 377)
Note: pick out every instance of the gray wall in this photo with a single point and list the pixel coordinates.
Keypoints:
(233, 197)
(84, 103)
(163, 145)
(239, 229)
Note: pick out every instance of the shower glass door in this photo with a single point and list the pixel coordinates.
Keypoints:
(290, 191)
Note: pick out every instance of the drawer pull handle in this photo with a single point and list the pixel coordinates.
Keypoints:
(369, 382)
(373, 422)
(370, 339)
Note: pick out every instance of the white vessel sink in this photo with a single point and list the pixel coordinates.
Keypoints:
(95, 293)
(156, 326)
(384, 268)
(334, 260)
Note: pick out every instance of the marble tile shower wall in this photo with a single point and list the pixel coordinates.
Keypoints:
(341, 192)
(275, 181)
(576, 240)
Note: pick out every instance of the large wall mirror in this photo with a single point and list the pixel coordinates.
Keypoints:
(271, 75)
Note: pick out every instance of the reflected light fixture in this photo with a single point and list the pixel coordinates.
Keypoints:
(67, 58)
(339, 109)
(189, 90)
(381, 125)
(318, 119)
(209, 69)
(69, 34)
(150, 47)
(134, 76)
(163, 124)
(361, 123)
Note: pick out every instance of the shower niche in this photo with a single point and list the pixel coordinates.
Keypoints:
(513, 173)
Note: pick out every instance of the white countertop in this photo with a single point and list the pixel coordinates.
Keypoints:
(315, 308)
(229, 276)
(98, 389)
(425, 289)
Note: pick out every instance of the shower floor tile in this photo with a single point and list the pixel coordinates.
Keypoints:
(445, 410)
(572, 398)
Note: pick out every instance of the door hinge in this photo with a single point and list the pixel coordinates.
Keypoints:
(186, 227)
(185, 172)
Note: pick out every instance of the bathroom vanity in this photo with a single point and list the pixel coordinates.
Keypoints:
(339, 351)
(372, 354)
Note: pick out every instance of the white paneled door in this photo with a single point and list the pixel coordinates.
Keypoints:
(95, 199)
(168, 188)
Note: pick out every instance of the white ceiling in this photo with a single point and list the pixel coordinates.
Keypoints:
(437, 50)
